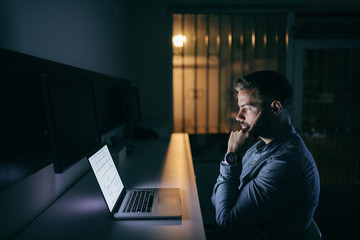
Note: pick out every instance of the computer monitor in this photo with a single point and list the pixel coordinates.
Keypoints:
(71, 117)
(24, 143)
(134, 105)
(110, 103)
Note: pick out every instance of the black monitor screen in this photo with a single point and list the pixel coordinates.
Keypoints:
(24, 143)
(72, 121)
(134, 105)
(110, 103)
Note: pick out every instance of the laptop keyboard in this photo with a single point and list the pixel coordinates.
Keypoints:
(140, 201)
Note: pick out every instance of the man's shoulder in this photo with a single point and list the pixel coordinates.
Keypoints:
(294, 145)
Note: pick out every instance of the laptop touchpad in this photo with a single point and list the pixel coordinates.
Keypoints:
(167, 200)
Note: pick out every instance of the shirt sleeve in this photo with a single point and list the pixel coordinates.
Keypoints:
(228, 180)
(277, 186)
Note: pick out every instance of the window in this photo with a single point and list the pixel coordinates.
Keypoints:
(209, 52)
(329, 112)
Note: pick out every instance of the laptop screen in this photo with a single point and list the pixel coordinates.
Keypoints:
(107, 176)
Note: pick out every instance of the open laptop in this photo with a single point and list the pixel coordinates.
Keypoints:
(132, 203)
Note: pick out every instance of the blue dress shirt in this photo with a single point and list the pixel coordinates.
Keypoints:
(276, 188)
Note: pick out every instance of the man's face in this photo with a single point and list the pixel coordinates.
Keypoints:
(249, 107)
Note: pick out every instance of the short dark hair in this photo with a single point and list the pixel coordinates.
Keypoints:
(270, 85)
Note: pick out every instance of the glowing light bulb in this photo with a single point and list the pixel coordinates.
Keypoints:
(179, 40)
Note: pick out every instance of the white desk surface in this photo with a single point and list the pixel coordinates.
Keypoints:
(81, 212)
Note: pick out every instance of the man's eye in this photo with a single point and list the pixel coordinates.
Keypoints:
(244, 109)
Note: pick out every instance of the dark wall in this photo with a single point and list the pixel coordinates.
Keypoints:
(88, 34)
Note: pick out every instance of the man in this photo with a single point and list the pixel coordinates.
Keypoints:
(270, 189)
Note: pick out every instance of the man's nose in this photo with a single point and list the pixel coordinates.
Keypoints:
(240, 117)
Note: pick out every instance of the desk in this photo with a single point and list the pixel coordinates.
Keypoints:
(81, 212)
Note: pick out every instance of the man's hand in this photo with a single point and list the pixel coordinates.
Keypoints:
(240, 141)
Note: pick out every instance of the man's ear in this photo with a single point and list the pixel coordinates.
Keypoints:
(276, 108)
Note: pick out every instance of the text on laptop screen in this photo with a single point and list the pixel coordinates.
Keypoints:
(107, 176)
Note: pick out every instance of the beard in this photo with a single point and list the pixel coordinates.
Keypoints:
(262, 127)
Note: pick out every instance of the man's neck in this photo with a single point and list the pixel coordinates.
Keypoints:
(275, 131)
(266, 140)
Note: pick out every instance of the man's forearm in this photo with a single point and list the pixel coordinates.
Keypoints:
(225, 193)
